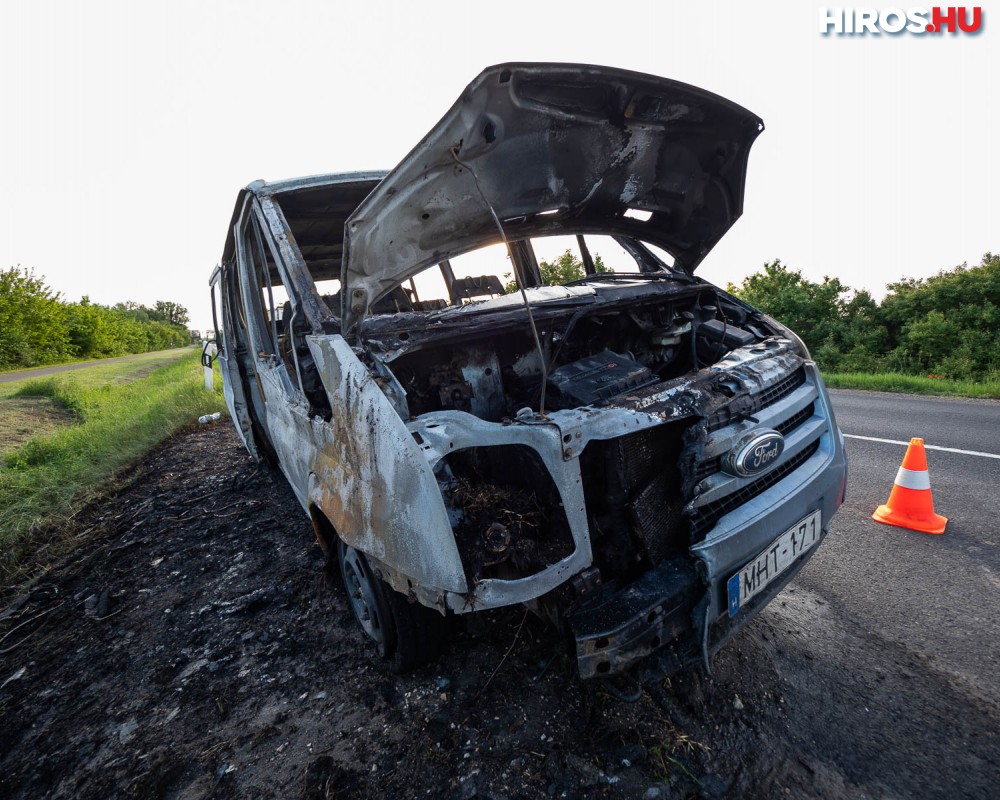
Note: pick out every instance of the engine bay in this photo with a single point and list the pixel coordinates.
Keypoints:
(592, 352)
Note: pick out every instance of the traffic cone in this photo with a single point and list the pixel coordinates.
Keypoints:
(910, 504)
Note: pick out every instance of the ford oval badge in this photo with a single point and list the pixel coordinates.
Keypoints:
(755, 453)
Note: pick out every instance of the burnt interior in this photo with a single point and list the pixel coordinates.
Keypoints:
(316, 216)
(505, 511)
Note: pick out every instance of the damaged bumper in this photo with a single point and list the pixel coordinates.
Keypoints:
(680, 607)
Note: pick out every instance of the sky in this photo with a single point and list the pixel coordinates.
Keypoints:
(127, 128)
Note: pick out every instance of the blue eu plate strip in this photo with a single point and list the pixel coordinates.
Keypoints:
(734, 594)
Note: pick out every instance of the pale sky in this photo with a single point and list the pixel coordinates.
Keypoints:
(127, 128)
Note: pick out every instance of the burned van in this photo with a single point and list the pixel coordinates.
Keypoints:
(491, 376)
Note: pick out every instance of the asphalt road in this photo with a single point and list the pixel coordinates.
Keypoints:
(937, 595)
(40, 372)
(888, 641)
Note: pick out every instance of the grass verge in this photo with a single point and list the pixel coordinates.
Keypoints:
(122, 411)
(98, 373)
(911, 384)
(79, 363)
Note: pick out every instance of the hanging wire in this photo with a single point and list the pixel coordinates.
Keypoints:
(517, 279)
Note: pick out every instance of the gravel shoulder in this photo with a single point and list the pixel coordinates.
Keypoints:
(194, 646)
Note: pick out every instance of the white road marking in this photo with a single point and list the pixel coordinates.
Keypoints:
(926, 446)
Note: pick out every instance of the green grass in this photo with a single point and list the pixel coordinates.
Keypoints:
(122, 410)
(911, 384)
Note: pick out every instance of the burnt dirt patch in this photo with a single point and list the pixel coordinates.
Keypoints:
(194, 646)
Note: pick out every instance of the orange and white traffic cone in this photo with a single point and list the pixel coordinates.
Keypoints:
(910, 504)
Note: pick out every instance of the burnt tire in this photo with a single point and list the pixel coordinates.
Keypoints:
(406, 634)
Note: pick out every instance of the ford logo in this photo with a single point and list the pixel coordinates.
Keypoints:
(755, 453)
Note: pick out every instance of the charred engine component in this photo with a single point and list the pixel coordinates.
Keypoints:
(635, 498)
(717, 337)
(599, 377)
(594, 355)
(481, 370)
(664, 343)
(497, 540)
(505, 511)
(453, 391)
(463, 379)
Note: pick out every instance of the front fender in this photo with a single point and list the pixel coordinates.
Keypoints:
(371, 480)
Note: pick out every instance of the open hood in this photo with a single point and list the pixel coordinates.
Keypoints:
(557, 148)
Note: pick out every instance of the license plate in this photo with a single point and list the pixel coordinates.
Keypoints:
(779, 556)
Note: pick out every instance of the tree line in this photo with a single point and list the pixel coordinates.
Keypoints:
(37, 326)
(946, 326)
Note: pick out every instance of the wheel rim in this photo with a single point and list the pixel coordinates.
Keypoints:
(361, 594)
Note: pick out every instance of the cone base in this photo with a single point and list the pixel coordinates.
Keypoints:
(932, 523)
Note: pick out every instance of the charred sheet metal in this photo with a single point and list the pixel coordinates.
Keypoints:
(372, 481)
(445, 432)
(556, 148)
(615, 627)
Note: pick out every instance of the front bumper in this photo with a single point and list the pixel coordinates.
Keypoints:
(679, 607)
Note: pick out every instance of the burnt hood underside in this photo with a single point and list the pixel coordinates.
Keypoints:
(557, 148)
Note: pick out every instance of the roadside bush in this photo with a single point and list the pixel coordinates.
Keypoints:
(32, 322)
(946, 325)
(812, 310)
(859, 359)
(827, 356)
(37, 327)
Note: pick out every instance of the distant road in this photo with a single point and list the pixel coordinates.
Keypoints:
(40, 372)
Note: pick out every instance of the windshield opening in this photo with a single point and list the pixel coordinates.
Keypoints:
(488, 272)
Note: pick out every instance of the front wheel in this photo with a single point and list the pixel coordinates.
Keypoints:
(407, 634)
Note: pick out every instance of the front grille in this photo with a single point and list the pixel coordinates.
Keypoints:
(783, 388)
(636, 479)
(795, 420)
(704, 518)
(713, 465)
(772, 394)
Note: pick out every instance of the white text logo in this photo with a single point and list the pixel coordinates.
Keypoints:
(860, 21)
